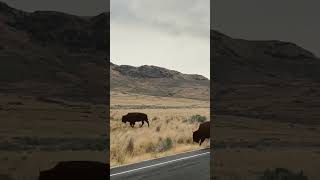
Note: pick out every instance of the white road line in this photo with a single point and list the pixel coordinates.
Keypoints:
(167, 162)
(160, 158)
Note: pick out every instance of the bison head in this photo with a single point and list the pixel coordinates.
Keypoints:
(124, 119)
(196, 136)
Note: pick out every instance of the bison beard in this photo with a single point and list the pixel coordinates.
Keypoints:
(135, 117)
(202, 133)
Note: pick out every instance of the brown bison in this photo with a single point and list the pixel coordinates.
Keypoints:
(79, 170)
(135, 117)
(202, 133)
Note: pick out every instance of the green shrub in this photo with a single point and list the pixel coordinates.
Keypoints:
(197, 118)
(165, 145)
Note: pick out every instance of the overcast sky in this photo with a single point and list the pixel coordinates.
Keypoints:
(288, 20)
(76, 7)
(173, 33)
(169, 33)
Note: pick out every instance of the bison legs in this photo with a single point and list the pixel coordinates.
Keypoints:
(132, 124)
(143, 122)
(201, 141)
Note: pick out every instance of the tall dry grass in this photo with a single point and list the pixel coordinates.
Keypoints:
(169, 133)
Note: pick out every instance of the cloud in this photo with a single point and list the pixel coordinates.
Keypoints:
(143, 47)
(168, 33)
(172, 16)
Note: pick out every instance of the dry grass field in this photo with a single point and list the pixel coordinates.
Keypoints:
(37, 133)
(243, 148)
(170, 130)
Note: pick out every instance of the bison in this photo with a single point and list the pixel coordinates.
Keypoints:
(202, 133)
(79, 170)
(135, 117)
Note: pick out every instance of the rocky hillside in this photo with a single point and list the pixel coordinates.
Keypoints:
(241, 61)
(157, 81)
(264, 79)
(46, 28)
(47, 53)
(54, 54)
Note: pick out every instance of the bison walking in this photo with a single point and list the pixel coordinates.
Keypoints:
(202, 133)
(135, 117)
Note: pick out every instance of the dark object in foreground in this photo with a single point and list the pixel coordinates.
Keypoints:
(135, 117)
(282, 174)
(5, 177)
(78, 170)
(202, 133)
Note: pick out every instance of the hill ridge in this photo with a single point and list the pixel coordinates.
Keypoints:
(158, 81)
(152, 71)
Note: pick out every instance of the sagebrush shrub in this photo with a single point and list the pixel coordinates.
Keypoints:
(197, 118)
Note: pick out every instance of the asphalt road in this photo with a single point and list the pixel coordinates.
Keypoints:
(193, 165)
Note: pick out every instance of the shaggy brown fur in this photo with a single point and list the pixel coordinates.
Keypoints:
(135, 117)
(202, 133)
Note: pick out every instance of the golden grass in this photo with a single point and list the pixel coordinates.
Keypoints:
(130, 145)
(40, 119)
(26, 165)
(137, 99)
(273, 144)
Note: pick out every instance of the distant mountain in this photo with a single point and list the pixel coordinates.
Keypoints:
(158, 81)
(271, 80)
(48, 28)
(54, 54)
(146, 71)
(243, 61)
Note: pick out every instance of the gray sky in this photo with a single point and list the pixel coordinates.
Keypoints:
(288, 20)
(76, 7)
(169, 33)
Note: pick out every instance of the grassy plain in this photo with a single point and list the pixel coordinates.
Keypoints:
(244, 148)
(170, 130)
(37, 133)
